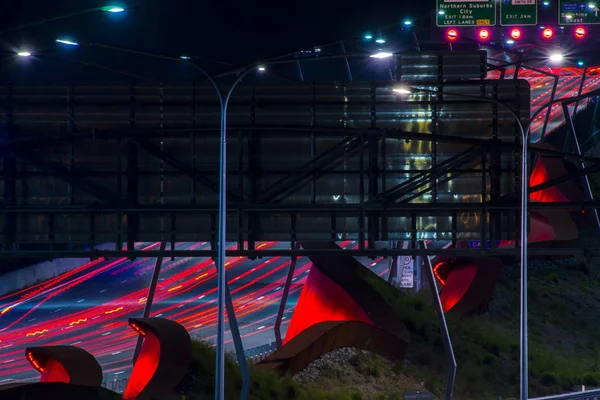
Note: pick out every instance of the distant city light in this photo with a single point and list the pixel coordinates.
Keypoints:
(556, 57)
(580, 63)
(113, 9)
(185, 57)
(382, 54)
(24, 54)
(368, 37)
(380, 41)
(407, 22)
(262, 69)
(67, 42)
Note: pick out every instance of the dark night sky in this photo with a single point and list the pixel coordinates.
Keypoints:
(234, 31)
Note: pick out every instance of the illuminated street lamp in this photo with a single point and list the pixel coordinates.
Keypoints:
(67, 42)
(381, 54)
(112, 9)
(556, 57)
(24, 54)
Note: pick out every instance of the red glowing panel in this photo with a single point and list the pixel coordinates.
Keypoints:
(458, 282)
(484, 34)
(55, 372)
(452, 34)
(323, 300)
(538, 176)
(580, 32)
(516, 34)
(144, 368)
(548, 33)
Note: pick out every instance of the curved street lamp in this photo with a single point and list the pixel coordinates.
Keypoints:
(223, 294)
(524, 353)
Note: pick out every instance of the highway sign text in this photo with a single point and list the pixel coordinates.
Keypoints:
(466, 12)
(518, 12)
(573, 12)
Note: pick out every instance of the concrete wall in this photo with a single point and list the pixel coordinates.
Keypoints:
(28, 276)
(24, 277)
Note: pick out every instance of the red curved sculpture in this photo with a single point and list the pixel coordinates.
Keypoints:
(163, 359)
(338, 307)
(66, 364)
(468, 283)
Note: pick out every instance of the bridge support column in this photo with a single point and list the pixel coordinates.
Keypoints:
(150, 296)
(284, 297)
(445, 333)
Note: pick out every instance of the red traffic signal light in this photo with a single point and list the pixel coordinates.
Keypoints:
(452, 34)
(516, 34)
(484, 34)
(548, 33)
(580, 32)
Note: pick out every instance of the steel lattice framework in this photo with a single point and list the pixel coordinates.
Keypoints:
(344, 161)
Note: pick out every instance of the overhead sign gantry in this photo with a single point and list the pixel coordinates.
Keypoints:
(574, 12)
(466, 13)
(518, 12)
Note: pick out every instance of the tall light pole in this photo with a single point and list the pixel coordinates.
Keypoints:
(223, 295)
(113, 9)
(524, 220)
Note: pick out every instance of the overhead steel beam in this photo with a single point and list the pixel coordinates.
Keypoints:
(181, 166)
(100, 192)
(347, 209)
(327, 160)
(371, 253)
(426, 176)
(340, 132)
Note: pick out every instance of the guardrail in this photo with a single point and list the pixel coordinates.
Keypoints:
(257, 354)
(583, 395)
(117, 385)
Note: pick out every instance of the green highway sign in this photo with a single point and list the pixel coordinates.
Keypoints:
(575, 12)
(518, 12)
(466, 12)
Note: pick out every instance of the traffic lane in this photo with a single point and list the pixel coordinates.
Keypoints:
(107, 348)
(108, 345)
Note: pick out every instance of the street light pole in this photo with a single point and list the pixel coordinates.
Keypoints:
(223, 297)
(524, 221)
(109, 9)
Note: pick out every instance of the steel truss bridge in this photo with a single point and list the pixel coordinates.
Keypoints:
(86, 165)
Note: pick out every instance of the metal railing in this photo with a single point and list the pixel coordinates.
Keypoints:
(259, 353)
(593, 394)
(117, 385)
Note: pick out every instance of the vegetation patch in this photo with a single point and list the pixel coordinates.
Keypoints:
(563, 336)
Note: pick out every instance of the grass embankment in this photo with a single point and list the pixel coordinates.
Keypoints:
(564, 301)
(564, 334)
(200, 381)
